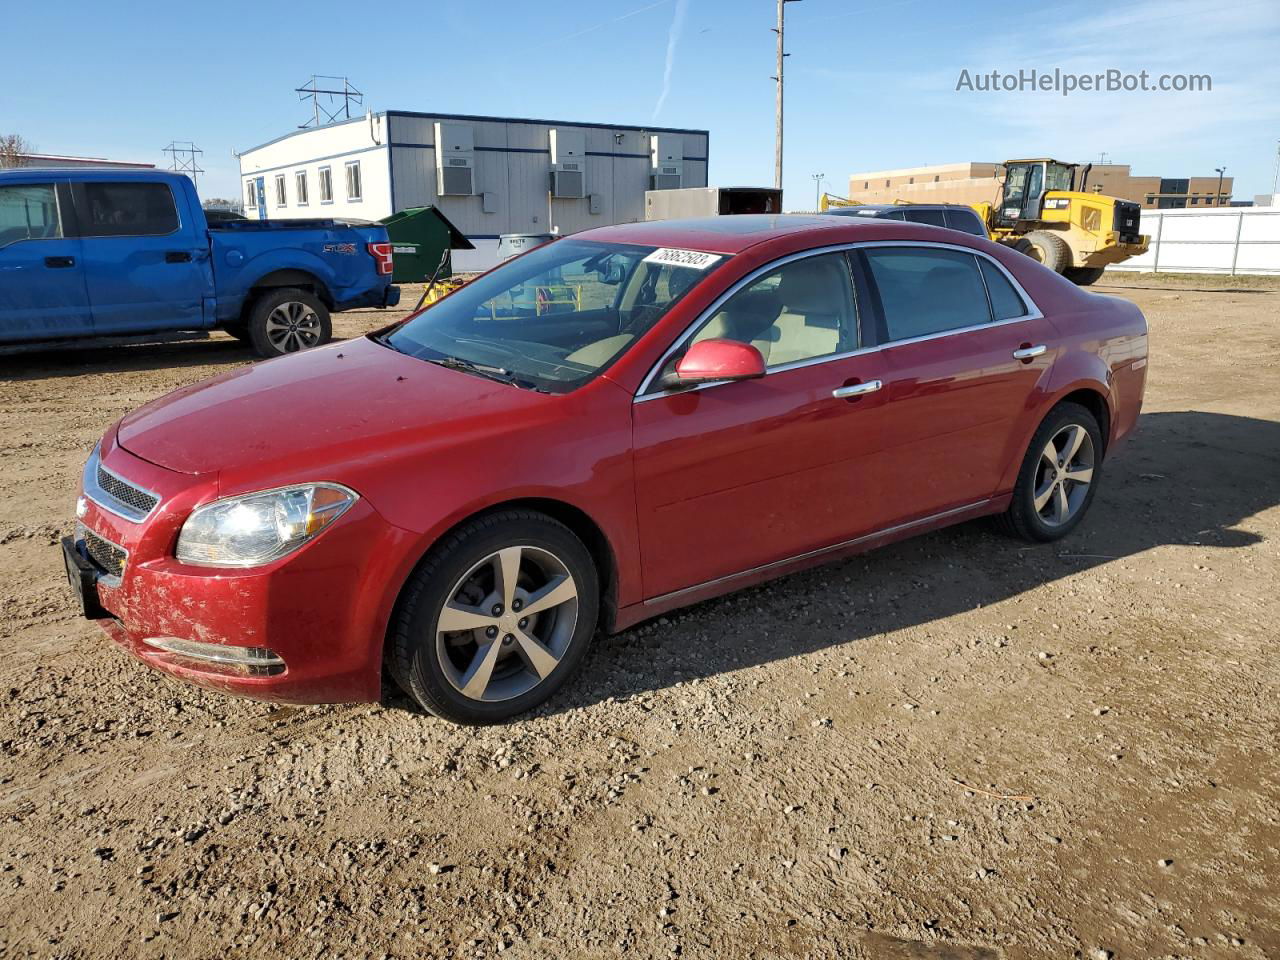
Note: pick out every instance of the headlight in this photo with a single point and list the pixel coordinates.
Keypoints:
(256, 528)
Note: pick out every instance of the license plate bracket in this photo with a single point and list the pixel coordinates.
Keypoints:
(83, 578)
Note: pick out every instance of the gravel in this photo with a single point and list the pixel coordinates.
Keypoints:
(746, 778)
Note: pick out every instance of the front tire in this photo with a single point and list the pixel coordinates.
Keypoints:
(1084, 276)
(1046, 247)
(495, 619)
(288, 320)
(1058, 477)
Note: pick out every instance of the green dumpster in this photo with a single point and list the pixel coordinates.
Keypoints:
(419, 237)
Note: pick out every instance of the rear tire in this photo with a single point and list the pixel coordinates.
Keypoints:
(1084, 276)
(287, 320)
(1046, 247)
(472, 648)
(1058, 477)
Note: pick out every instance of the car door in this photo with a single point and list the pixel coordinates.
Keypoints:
(964, 349)
(733, 476)
(145, 268)
(42, 288)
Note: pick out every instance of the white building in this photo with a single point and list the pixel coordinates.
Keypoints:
(489, 175)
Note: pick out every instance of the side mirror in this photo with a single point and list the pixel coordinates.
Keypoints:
(711, 361)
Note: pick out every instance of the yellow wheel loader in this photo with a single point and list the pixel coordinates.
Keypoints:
(1041, 213)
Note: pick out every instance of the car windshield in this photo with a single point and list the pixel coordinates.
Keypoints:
(555, 317)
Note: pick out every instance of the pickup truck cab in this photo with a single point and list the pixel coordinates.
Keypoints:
(123, 253)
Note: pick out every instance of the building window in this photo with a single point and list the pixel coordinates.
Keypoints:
(886, 183)
(251, 195)
(300, 180)
(911, 180)
(866, 184)
(353, 180)
(936, 178)
(280, 197)
(326, 185)
(1195, 201)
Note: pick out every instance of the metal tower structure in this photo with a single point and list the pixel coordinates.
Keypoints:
(329, 103)
(184, 157)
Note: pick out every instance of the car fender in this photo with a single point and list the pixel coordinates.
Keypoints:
(290, 260)
(621, 544)
(1075, 369)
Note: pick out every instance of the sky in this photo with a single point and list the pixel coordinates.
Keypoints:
(870, 85)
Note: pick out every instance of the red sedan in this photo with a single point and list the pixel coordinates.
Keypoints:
(616, 424)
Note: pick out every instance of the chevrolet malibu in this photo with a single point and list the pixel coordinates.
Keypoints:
(613, 425)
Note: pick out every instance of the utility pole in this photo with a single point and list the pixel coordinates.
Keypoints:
(817, 190)
(1217, 197)
(1275, 181)
(782, 54)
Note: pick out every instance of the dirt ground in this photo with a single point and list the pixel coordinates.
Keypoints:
(957, 747)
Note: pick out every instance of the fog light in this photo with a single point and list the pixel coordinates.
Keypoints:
(220, 658)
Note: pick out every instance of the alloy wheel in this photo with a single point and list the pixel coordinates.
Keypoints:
(293, 326)
(507, 623)
(1063, 475)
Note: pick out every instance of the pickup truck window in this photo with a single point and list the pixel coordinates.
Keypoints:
(128, 210)
(28, 211)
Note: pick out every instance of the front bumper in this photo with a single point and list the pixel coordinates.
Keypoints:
(308, 628)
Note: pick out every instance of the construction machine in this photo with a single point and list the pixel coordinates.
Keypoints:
(830, 200)
(1044, 211)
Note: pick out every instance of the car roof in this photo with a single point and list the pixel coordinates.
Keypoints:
(725, 234)
(886, 207)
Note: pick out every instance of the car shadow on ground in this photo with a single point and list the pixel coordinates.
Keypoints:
(1186, 478)
(124, 358)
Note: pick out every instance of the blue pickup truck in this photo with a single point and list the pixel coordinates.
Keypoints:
(123, 253)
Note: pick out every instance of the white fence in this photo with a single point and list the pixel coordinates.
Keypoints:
(1226, 240)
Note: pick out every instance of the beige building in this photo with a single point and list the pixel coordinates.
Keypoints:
(980, 182)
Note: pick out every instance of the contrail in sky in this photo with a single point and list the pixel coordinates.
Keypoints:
(673, 38)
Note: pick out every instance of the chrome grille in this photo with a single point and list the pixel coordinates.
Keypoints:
(124, 492)
(105, 555)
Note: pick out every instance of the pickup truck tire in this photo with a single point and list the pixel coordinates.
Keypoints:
(1047, 247)
(286, 320)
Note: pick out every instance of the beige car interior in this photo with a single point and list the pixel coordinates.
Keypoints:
(793, 314)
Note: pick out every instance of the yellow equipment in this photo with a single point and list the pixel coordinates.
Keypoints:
(830, 200)
(1042, 214)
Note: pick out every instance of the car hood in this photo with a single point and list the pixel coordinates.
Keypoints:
(355, 398)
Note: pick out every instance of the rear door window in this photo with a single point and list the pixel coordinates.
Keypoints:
(966, 221)
(128, 210)
(28, 211)
(924, 291)
(1005, 301)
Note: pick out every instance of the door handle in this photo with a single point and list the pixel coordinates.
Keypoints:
(856, 389)
(177, 256)
(1029, 352)
(56, 262)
